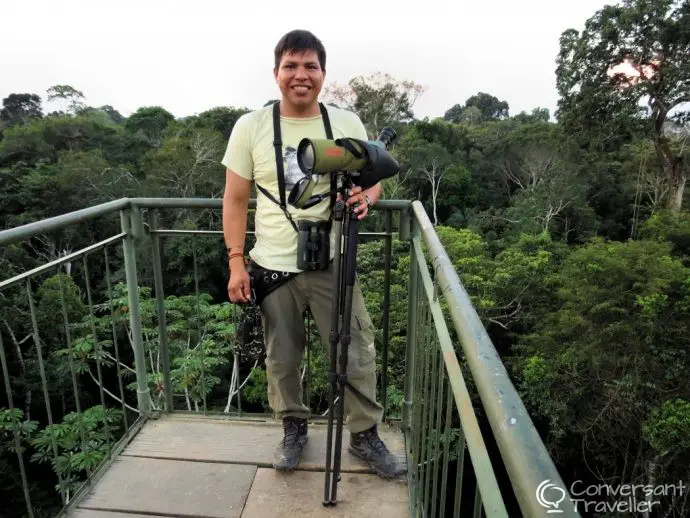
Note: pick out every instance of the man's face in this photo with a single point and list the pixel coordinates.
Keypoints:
(300, 78)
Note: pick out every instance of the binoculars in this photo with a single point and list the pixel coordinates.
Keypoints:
(366, 162)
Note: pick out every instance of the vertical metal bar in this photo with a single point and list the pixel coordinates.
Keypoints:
(200, 335)
(96, 344)
(477, 503)
(17, 439)
(70, 360)
(94, 333)
(44, 381)
(308, 369)
(446, 449)
(160, 305)
(424, 402)
(431, 402)
(419, 394)
(143, 402)
(239, 395)
(114, 331)
(385, 323)
(411, 347)
(459, 473)
(413, 431)
(437, 431)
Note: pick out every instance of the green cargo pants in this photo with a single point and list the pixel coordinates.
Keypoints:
(285, 336)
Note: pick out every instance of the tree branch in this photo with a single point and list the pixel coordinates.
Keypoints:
(110, 393)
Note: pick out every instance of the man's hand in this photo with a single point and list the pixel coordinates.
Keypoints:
(358, 198)
(239, 284)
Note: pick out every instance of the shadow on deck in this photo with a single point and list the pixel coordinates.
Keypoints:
(203, 467)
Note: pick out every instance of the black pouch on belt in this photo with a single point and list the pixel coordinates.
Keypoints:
(249, 329)
(263, 281)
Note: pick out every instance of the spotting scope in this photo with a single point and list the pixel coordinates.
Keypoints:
(366, 162)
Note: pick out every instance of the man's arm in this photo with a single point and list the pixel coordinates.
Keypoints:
(374, 192)
(235, 204)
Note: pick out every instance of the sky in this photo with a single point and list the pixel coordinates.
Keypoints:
(192, 55)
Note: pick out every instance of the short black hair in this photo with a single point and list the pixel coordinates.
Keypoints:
(299, 41)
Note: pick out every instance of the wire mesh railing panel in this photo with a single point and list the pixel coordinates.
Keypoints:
(444, 434)
(66, 403)
(200, 336)
(444, 428)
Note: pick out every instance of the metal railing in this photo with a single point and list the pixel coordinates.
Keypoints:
(440, 418)
(443, 432)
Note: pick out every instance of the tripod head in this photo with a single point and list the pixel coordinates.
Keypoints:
(362, 163)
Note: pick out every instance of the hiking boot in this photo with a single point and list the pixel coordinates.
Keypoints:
(369, 447)
(287, 454)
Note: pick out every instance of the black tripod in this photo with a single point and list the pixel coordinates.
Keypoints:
(344, 268)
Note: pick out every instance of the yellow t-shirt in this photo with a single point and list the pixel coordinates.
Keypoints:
(250, 154)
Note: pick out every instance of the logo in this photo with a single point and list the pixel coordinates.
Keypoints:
(605, 498)
(335, 151)
(550, 496)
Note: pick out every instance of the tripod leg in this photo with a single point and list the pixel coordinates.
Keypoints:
(333, 338)
(349, 269)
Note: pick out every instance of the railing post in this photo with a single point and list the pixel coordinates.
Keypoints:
(385, 319)
(160, 304)
(130, 221)
(411, 328)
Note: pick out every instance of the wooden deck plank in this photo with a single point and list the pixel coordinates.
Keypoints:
(243, 442)
(168, 487)
(301, 494)
(90, 513)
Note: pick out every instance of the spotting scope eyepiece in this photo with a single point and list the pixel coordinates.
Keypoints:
(366, 161)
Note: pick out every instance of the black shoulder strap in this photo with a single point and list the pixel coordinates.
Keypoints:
(326, 121)
(278, 146)
(329, 136)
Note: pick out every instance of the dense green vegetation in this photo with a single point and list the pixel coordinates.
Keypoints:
(571, 234)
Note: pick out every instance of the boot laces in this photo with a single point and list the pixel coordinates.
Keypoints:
(292, 433)
(376, 443)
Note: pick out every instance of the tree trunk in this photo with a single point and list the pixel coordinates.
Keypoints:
(673, 165)
(677, 179)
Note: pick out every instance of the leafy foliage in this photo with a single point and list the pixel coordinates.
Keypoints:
(569, 236)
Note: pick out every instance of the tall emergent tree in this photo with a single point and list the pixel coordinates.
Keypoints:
(20, 108)
(628, 54)
(378, 99)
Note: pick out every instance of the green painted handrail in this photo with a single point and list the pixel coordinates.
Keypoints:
(525, 457)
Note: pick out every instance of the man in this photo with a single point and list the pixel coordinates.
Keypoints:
(299, 70)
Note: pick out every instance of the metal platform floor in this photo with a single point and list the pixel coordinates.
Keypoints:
(182, 466)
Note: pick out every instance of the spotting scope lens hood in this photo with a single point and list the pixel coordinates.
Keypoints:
(380, 164)
(306, 156)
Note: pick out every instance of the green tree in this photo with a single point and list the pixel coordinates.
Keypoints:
(149, 123)
(610, 349)
(379, 99)
(480, 107)
(489, 106)
(627, 53)
(83, 441)
(19, 109)
(69, 95)
(221, 119)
